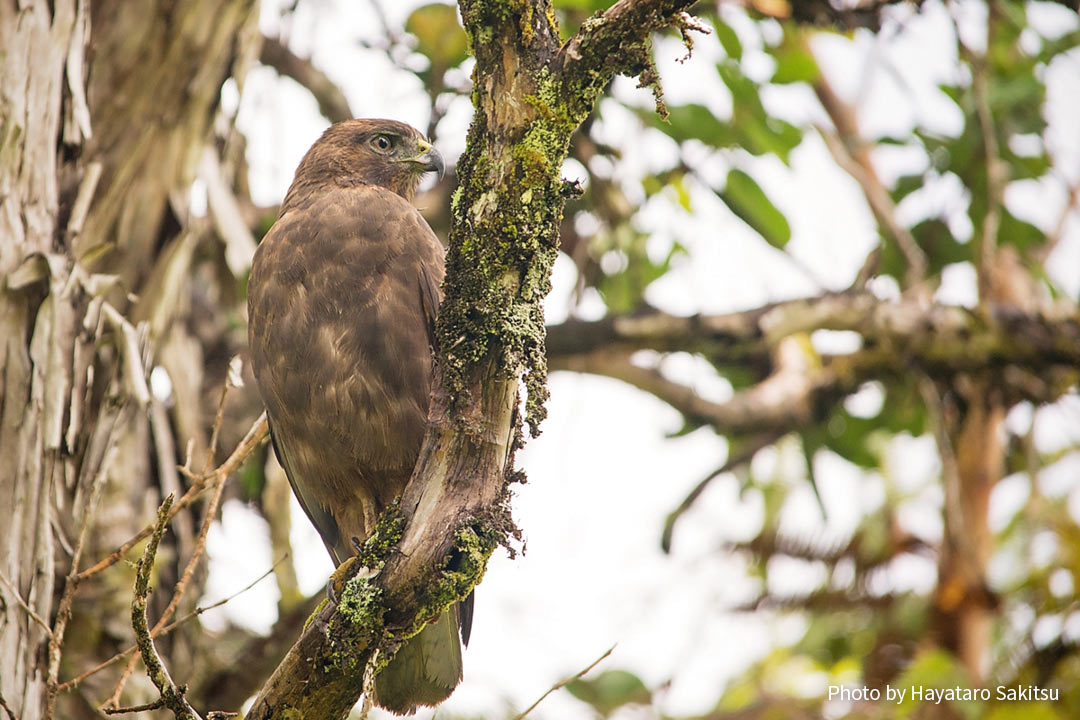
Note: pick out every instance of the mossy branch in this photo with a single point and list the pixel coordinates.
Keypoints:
(616, 41)
(490, 339)
(172, 696)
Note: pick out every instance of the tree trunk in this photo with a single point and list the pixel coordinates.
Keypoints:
(95, 258)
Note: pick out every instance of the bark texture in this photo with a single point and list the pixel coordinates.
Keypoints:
(93, 181)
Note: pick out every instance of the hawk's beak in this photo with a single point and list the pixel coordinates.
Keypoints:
(430, 159)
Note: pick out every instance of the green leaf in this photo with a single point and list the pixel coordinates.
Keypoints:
(694, 122)
(1020, 233)
(728, 39)
(439, 37)
(610, 690)
(936, 240)
(794, 61)
(749, 202)
(768, 135)
(624, 289)
(906, 185)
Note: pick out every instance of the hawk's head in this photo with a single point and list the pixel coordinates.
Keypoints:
(367, 151)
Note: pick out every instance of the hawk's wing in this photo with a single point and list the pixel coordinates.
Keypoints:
(342, 300)
(319, 516)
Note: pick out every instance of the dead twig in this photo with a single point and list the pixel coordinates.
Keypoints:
(172, 696)
(71, 583)
(7, 708)
(75, 681)
(851, 154)
(565, 681)
(200, 544)
(156, 705)
(734, 460)
(985, 242)
(23, 604)
(255, 436)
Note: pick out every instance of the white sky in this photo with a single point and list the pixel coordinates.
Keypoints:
(603, 477)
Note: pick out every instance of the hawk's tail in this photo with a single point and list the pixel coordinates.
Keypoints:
(425, 670)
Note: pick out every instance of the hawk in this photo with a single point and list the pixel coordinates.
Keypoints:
(342, 299)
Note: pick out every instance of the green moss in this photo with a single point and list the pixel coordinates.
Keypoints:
(525, 22)
(550, 102)
(553, 22)
(506, 214)
(358, 625)
(473, 545)
(388, 530)
(361, 604)
(650, 78)
(318, 609)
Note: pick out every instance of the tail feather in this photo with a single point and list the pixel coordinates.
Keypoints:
(425, 670)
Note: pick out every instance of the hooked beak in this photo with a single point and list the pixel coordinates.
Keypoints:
(430, 159)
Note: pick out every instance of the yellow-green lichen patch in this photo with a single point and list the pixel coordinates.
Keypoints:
(358, 625)
(388, 531)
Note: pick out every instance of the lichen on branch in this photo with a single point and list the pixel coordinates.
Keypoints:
(490, 339)
(531, 94)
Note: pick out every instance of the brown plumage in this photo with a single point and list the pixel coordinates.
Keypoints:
(341, 305)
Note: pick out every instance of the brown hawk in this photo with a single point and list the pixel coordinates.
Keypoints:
(341, 307)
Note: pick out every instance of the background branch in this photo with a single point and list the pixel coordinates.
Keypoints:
(332, 102)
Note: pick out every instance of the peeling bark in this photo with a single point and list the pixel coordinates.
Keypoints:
(103, 113)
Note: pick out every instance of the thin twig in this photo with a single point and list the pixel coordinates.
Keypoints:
(848, 150)
(171, 695)
(168, 476)
(71, 583)
(156, 705)
(75, 681)
(7, 708)
(950, 469)
(26, 608)
(256, 434)
(733, 461)
(1054, 237)
(996, 171)
(564, 682)
(200, 544)
(219, 420)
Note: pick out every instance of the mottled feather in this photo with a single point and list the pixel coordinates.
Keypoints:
(342, 299)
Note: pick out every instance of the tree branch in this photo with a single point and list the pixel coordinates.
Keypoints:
(332, 102)
(432, 550)
(851, 154)
(1038, 356)
(942, 338)
(172, 696)
(255, 436)
(616, 41)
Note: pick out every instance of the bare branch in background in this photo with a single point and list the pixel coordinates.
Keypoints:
(566, 681)
(75, 681)
(332, 102)
(896, 335)
(209, 516)
(737, 457)
(824, 13)
(851, 153)
(256, 435)
(997, 171)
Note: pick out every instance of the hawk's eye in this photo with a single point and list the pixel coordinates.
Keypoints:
(382, 143)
